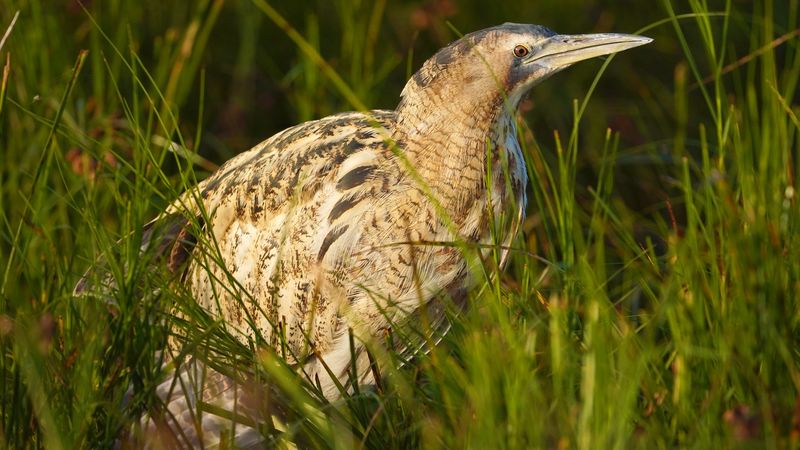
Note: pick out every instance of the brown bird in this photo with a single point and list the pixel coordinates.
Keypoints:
(335, 226)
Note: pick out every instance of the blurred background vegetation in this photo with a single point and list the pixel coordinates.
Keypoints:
(672, 319)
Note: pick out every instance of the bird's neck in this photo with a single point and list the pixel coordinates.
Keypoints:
(450, 142)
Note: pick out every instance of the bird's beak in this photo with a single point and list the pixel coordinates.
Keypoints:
(563, 50)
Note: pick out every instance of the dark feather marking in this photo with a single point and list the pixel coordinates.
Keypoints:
(211, 186)
(256, 208)
(446, 56)
(254, 182)
(354, 178)
(354, 145)
(366, 134)
(181, 251)
(332, 236)
(240, 207)
(343, 205)
(421, 78)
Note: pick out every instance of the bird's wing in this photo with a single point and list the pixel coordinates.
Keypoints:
(281, 219)
(257, 188)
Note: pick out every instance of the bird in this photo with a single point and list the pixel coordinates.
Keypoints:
(321, 237)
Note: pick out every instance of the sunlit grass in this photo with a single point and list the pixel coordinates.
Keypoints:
(673, 325)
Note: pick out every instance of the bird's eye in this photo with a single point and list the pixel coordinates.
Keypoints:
(521, 51)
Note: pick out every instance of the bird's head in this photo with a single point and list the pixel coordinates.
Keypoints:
(500, 64)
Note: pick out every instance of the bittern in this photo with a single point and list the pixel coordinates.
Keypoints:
(324, 231)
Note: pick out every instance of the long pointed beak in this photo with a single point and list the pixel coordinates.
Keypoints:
(563, 50)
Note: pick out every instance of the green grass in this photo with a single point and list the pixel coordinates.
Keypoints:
(651, 301)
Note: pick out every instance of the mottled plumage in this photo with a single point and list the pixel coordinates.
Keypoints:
(331, 226)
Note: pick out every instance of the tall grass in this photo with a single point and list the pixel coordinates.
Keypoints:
(651, 300)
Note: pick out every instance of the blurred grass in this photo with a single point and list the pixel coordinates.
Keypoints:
(660, 309)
